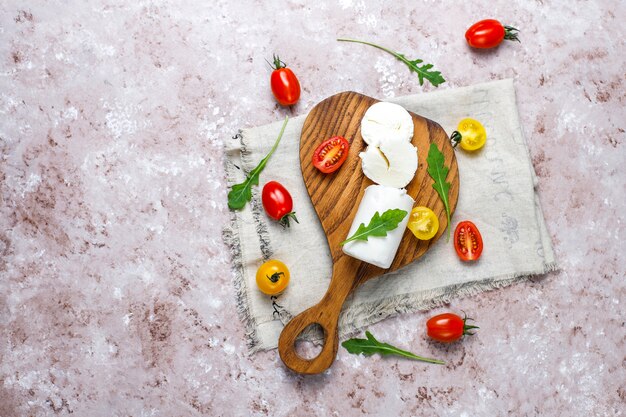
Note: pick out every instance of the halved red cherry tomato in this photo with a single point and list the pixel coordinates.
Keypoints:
(331, 154)
(489, 33)
(468, 242)
(278, 203)
(285, 84)
(448, 327)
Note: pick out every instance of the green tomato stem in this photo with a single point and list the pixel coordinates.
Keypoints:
(284, 221)
(455, 138)
(278, 64)
(510, 33)
(467, 327)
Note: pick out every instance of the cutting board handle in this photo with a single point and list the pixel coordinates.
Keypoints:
(326, 314)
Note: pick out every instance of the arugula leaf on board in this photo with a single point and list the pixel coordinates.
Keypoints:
(378, 226)
(423, 72)
(370, 346)
(240, 194)
(438, 172)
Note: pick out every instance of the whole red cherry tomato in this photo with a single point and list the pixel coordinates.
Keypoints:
(468, 242)
(278, 203)
(489, 33)
(331, 154)
(285, 84)
(448, 327)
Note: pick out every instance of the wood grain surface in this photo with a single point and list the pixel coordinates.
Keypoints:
(336, 198)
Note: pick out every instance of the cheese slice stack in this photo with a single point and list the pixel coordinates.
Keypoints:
(379, 250)
(391, 161)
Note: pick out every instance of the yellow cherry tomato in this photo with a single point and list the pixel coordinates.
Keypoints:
(473, 134)
(272, 277)
(423, 223)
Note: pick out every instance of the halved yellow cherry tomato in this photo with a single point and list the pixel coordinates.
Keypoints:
(472, 134)
(423, 223)
(272, 277)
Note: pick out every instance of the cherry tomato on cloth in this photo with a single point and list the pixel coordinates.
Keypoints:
(489, 33)
(423, 223)
(285, 84)
(470, 134)
(448, 327)
(331, 154)
(272, 277)
(468, 242)
(278, 203)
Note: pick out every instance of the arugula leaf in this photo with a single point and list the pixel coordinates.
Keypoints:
(370, 346)
(240, 194)
(379, 225)
(423, 72)
(438, 172)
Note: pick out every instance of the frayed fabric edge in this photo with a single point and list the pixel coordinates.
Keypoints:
(355, 319)
(230, 236)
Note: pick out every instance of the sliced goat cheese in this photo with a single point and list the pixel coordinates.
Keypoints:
(392, 164)
(379, 250)
(385, 121)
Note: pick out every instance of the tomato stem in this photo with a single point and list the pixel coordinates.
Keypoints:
(278, 64)
(467, 327)
(510, 33)
(284, 221)
(275, 277)
(455, 138)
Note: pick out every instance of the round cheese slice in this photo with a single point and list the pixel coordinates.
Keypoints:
(393, 164)
(386, 121)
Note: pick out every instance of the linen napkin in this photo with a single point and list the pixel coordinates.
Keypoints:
(497, 193)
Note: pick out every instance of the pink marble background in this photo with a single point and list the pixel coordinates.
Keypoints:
(116, 297)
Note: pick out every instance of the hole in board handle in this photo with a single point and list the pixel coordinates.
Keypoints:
(315, 339)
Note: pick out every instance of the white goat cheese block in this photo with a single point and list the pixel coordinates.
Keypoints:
(393, 163)
(379, 250)
(384, 121)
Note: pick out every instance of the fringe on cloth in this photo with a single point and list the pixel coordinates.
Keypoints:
(352, 321)
(230, 236)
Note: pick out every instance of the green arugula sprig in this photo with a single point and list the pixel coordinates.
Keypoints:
(438, 172)
(240, 194)
(379, 225)
(370, 346)
(423, 71)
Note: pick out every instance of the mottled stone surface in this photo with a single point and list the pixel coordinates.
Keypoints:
(115, 290)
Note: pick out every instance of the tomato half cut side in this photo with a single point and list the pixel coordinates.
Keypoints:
(423, 222)
(468, 242)
(331, 154)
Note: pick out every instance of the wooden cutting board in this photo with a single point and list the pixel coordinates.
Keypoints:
(336, 198)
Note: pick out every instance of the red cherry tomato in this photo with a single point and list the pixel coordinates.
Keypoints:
(278, 203)
(331, 154)
(489, 33)
(285, 84)
(448, 327)
(468, 242)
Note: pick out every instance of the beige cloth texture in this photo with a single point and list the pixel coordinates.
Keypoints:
(497, 193)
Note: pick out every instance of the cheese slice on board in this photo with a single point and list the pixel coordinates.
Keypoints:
(393, 164)
(383, 121)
